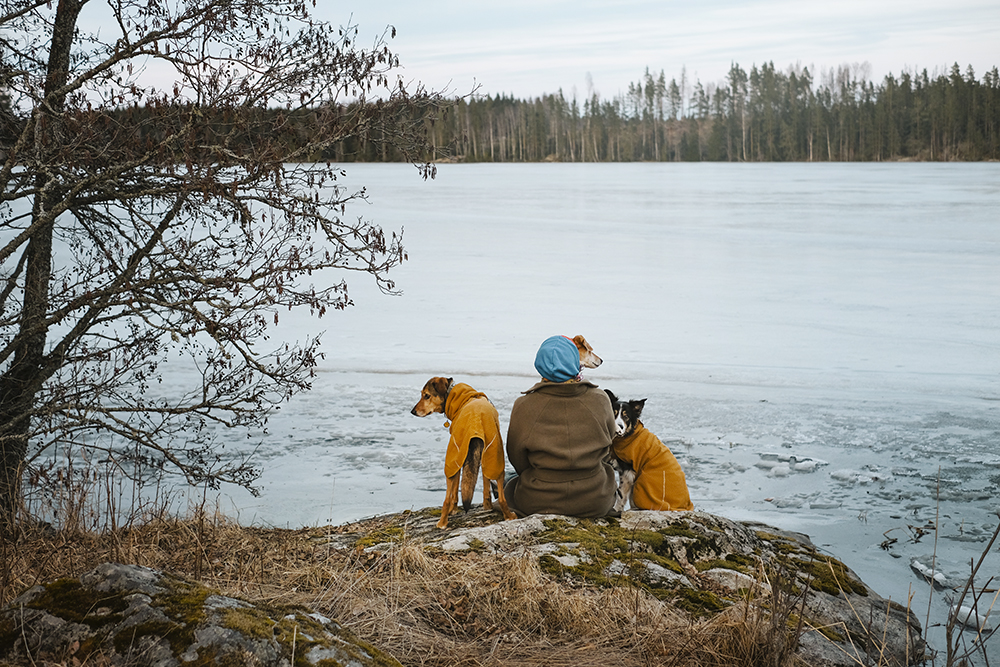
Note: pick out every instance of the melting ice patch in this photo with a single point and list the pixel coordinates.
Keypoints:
(928, 568)
(782, 465)
(927, 572)
(968, 616)
(867, 476)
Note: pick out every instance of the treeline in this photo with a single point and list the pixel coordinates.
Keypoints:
(762, 115)
(185, 134)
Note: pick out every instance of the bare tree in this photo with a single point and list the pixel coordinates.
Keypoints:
(161, 199)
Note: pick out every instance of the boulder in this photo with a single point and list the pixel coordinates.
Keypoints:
(131, 615)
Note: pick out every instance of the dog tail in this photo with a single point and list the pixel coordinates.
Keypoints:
(470, 472)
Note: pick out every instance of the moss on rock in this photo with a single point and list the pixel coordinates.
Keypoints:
(70, 600)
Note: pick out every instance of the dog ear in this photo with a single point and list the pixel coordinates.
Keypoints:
(611, 395)
(638, 406)
(441, 385)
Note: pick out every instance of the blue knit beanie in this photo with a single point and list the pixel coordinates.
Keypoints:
(558, 360)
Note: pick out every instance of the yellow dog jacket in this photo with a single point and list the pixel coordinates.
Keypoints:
(659, 482)
(473, 416)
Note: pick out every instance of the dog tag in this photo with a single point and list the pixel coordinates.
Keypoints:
(447, 424)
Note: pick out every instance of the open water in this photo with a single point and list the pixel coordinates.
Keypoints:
(819, 345)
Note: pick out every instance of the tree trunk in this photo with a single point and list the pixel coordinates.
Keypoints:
(26, 374)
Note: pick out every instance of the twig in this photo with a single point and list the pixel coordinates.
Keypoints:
(24, 638)
(937, 531)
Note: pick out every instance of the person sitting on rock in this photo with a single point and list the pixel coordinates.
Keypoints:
(558, 440)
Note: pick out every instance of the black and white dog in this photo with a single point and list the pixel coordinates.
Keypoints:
(627, 415)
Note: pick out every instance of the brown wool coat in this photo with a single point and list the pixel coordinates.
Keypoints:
(473, 416)
(558, 439)
(659, 482)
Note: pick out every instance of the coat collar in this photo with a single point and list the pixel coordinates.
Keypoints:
(631, 437)
(568, 388)
(458, 396)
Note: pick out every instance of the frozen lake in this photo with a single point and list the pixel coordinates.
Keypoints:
(819, 343)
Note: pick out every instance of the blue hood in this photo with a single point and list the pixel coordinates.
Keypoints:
(558, 360)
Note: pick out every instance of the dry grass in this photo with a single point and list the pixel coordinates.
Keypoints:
(471, 609)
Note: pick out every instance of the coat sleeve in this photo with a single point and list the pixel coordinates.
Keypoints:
(606, 415)
(517, 430)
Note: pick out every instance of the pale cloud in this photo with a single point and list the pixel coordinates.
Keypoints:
(531, 48)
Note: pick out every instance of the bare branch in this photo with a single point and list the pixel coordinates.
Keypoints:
(152, 218)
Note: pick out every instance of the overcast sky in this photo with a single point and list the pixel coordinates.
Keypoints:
(530, 47)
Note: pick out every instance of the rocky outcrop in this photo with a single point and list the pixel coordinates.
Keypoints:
(699, 562)
(131, 615)
(695, 562)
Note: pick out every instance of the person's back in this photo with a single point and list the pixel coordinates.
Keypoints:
(558, 440)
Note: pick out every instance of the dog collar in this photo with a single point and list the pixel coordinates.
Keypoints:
(447, 393)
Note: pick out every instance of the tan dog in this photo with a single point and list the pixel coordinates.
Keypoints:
(475, 442)
(587, 357)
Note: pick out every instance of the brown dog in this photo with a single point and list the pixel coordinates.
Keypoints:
(475, 442)
(587, 357)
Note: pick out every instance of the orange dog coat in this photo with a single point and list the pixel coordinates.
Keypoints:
(659, 482)
(473, 416)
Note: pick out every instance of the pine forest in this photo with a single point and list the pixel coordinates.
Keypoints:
(762, 115)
